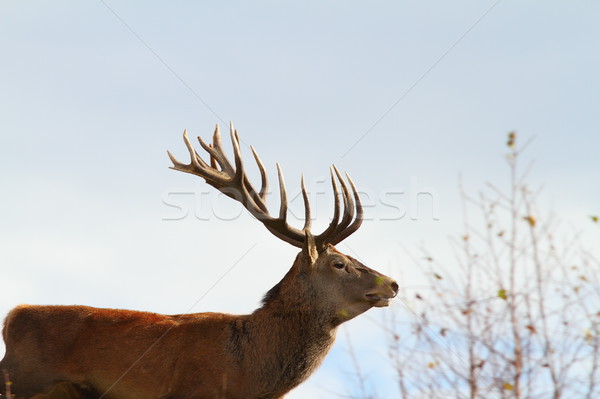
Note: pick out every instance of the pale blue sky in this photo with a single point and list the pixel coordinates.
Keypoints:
(87, 112)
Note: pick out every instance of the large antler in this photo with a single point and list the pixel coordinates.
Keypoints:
(232, 181)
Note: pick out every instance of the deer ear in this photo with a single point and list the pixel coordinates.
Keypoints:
(310, 247)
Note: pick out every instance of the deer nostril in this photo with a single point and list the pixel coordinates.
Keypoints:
(395, 287)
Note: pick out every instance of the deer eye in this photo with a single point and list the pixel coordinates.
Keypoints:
(338, 264)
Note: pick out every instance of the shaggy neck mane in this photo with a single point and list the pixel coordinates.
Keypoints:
(288, 309)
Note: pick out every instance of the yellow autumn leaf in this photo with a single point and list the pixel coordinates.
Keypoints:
(588, 335)
(530, 219)
(508, 386)
(502, 294)
(512, 136)
(595, 218)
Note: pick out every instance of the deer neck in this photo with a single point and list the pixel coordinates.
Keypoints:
(291, 334)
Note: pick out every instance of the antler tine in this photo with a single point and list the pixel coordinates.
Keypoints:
(307, 216)
(324, 236)
(359, 215)
(282, 196)
(214, 164)
(195, 158)
(176, 163)
(263, 175)
(196, 165)
(279, 226)
(348, 204)
(215, 157)
(218, 146)
(239, 174)
(237, 153)
(216, 152)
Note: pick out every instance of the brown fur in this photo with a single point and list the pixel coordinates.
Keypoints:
(123, 354)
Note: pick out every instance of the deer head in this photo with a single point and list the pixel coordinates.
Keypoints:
(344, 287)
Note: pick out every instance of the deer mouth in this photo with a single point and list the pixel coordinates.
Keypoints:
(378, 300)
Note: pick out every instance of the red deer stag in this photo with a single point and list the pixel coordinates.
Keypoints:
(123, 354)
